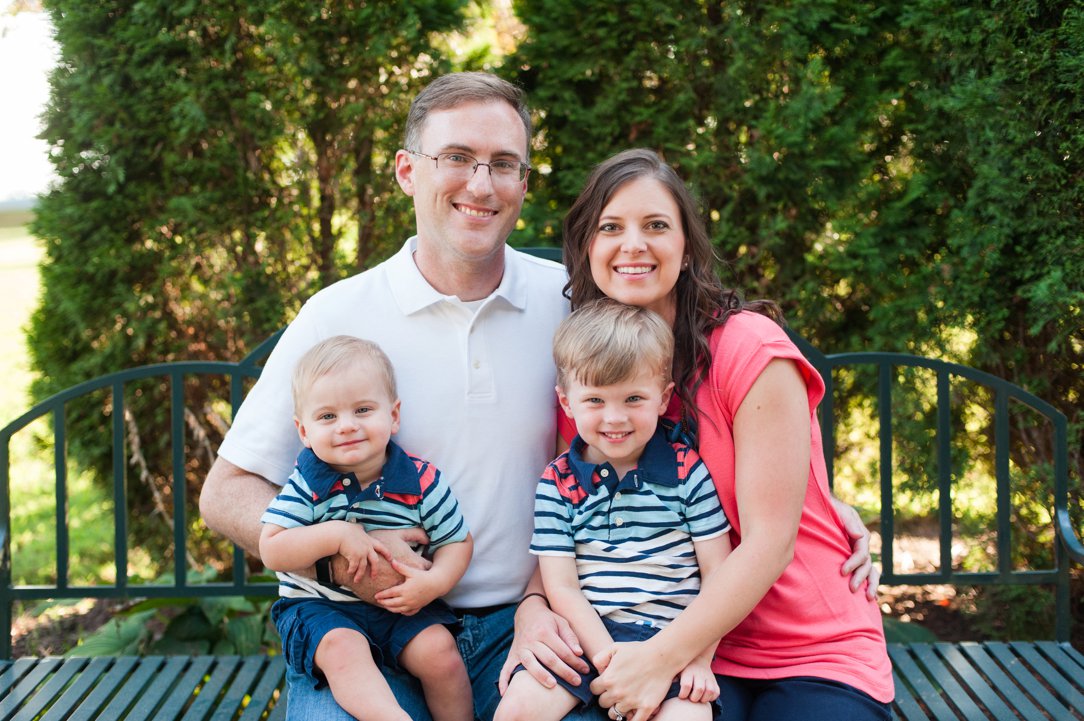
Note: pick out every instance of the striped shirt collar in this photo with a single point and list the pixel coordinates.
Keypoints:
(399, 475)
(657, 465)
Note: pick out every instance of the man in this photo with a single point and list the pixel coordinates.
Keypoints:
(467, 323)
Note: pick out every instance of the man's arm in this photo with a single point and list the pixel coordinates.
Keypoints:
(233, 501)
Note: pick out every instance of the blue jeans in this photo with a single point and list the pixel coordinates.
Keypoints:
(483, 641)
(796, 699)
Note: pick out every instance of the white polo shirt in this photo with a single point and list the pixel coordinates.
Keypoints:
(476, 385)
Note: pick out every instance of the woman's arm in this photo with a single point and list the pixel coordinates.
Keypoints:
(772, 452)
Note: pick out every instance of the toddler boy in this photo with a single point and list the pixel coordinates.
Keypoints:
(349, 480)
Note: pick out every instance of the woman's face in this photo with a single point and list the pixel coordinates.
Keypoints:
(639, 247)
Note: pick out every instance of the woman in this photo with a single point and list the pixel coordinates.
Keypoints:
(797, 643)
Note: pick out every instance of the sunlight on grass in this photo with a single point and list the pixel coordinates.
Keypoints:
(33, 509)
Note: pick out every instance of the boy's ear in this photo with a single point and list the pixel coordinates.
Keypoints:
(395, 416)
(664, 400)
(563, 400)
(301, 432)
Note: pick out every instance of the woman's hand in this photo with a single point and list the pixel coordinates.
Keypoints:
(545, 645)
(634, 678)
(860, 565)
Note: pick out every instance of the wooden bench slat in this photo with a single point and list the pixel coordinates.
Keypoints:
(103, 690)
(74, 694)
(186, 685)
(263, 696)
(950, 687)
(26, 686)
(904, 705)
(222, 669)
(238, 688)
(50, 690)
(976, 684)
(14, 671)
(147, 703)
(1024, 678)
(1062, 687)
(134, 685)
(1006, 687)
(913, 676)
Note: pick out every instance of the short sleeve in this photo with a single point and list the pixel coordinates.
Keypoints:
(293, 506)
(552, 518)
(441, 519)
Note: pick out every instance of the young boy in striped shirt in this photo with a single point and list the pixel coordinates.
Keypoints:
(627, 520)
(351, 479)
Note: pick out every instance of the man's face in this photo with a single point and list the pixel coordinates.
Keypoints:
(465, 219)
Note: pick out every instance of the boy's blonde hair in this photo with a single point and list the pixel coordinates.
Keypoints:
(336, 353)
(606, 342)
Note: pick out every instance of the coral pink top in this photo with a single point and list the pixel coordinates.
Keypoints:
(809, 623)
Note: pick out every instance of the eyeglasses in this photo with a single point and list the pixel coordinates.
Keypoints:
(463, 167)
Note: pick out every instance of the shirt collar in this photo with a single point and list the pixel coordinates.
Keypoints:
(399, 475)
(657, 465)
(413, 293)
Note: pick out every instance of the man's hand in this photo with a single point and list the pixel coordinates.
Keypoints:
(545, 645)
(860, 565)
(362, 551)
(397, 544)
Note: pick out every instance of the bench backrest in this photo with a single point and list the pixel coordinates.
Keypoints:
(887, 367)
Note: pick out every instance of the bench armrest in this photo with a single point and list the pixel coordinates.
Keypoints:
(1067, 535)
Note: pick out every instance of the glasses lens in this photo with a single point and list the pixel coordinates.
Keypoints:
(460, 165)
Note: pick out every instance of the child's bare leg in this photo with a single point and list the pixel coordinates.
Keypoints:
(528, 700)
(357, 684)
(434, 659)
(680, 709)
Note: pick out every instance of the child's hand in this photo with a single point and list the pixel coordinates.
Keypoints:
(361, 550)
(417, 589)
(698, 683)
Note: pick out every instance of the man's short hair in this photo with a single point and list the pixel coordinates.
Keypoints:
(606, 342)
(337, 353)
(453, 89)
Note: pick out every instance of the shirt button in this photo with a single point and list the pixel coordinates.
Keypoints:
(617, 495)
(477, 365)
(346, 481)
(620, 521)
(604, 472)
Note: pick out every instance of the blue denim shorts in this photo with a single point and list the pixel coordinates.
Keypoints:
(303, 622)
(620, 633)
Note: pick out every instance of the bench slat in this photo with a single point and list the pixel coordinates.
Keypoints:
(152, 696)
(270, 680)
(75, 693)
(950, 687)
(985, 663)
(927, 695)
(107, 684)
(181, 692)
(222, 669)
(1024, 678)
(133, 687)
(1063, 688)
(50, 690)
(974, 681)
(26, 686)
(904, 705)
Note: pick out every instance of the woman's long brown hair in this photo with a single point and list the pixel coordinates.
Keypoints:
(703, 304)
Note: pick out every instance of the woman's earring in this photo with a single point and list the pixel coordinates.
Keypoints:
(685, 264)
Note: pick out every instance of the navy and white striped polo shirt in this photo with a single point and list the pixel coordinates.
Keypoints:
(410, 493)
(632, 537)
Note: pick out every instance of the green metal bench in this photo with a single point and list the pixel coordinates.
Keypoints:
(972, 680)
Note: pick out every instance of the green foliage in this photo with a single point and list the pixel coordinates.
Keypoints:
(186, 626)
(217, 163)
(900, 176)
(1021, 613)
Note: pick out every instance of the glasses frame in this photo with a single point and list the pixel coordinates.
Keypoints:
(524, 168)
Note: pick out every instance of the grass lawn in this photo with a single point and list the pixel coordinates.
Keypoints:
(32, 479)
